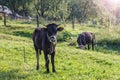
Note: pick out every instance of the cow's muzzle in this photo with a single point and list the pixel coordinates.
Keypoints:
(82, 47)
(53, 39)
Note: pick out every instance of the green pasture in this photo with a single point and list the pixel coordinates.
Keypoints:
(71, 62)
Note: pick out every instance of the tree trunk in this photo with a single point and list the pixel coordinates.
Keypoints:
(4, 14)
(4, 19)
(37, 19)
(23, 8)
(73, 23)
(63, 18)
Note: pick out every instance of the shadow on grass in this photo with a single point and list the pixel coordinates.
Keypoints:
(17, 30)
(109, 46)
(17, 27)
(23, 34)
(12, 75)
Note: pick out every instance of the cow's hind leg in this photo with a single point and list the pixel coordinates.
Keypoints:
(46, 62)
(37, 57)
(52, 61)
(93, 44)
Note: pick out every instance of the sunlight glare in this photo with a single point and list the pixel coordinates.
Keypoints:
(115, 1)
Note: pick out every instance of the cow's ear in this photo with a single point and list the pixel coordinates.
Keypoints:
(45, 29)
(60, 28)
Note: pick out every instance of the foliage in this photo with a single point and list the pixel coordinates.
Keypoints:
(64, 36)
(63, 10)
(82, 9)
(51, 9)
(18, 6)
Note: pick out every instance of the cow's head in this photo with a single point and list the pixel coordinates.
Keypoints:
(82, 46)
(52, 30)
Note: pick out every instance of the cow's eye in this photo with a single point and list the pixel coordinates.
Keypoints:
(55, 32)
(50, 33)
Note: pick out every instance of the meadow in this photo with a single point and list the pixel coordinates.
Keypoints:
(71, 62)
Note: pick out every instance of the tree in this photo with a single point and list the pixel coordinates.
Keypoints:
(74, 11)
(27, 6)
(41, 6)
(117, 14)
(49, 9)
(64, 11)
(82, 10)
(3, 4)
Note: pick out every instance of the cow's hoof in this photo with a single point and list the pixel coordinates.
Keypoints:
(54, 71)
(37, 68)
(47, 71)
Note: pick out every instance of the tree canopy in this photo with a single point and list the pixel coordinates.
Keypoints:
(62, 10)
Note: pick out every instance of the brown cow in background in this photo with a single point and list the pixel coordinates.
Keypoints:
(86, 38)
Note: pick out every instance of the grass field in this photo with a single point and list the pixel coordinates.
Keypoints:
(71, 63)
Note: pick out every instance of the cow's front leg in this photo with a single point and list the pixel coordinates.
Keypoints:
(37, 57)
(93, 44)
(52, 61)
(46, 62)
(88, 46)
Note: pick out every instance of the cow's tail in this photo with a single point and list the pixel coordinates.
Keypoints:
(34, 33)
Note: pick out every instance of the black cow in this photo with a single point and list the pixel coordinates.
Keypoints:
(86, 38)
(45, 39)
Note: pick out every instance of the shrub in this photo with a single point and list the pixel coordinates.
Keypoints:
(64, 36)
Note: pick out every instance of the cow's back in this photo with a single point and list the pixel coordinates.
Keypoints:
(89, 36)
(37, 37)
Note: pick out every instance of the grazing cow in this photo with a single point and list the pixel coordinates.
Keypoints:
(45, 39)
(86, 38)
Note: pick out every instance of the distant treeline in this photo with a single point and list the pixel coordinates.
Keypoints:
(62, 10)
